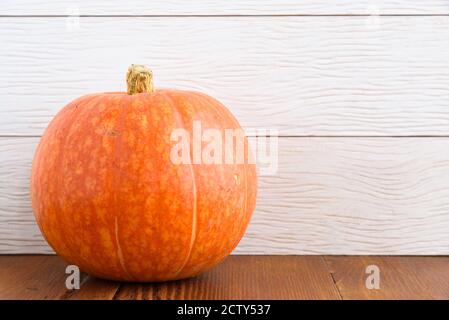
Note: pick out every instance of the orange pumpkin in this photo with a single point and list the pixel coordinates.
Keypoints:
(109, 199)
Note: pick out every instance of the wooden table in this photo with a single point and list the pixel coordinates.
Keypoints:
(242, 277)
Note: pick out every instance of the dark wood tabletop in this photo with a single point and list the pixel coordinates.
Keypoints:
(242, 277)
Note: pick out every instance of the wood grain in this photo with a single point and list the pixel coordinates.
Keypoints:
(237, 278)
(223, 7)
(93, 289)
(31, 277)
(400, 277)
(329, 196)
(241, 278)
(43, 277)
(305, 76)
(246, 277)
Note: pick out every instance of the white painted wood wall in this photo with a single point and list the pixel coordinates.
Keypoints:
(359, 91)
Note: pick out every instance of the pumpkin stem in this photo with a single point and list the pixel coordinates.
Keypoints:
(139, 79)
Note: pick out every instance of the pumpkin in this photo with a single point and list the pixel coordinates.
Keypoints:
(108, 197)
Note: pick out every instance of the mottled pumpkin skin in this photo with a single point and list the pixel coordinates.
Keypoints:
(108, 198)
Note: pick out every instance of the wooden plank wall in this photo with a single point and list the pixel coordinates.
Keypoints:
(359, 93)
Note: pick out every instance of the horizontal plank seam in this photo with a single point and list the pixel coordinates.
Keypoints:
(6, 136)
(219, 15)
(353, 136)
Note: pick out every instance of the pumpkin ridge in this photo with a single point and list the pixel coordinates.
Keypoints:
(229, 116)
(177, 117)
(117, 145)
(85, 109)
(59, 177)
